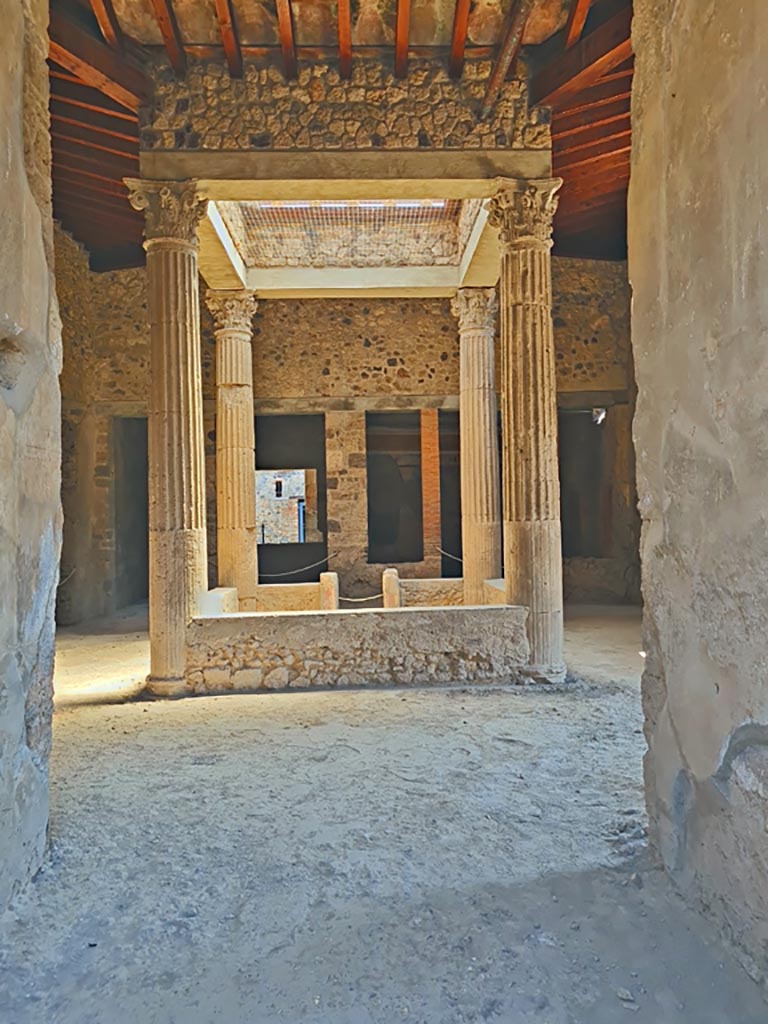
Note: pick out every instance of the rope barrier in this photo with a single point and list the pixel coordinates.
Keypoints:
(359, 600)
(293, 572)
(449, 555)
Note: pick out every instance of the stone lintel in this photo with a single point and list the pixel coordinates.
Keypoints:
(398, 174)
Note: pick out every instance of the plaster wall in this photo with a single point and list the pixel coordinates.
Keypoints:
(399, 646)
(700, 333)
(30, 517)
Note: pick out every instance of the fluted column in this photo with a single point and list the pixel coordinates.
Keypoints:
(523, 212)
(177, 544)
(475, 309)
(236, 540)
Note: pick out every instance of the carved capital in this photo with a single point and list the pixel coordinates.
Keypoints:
(172, 209)
(232, 310)
(475, 309)
(522, 210)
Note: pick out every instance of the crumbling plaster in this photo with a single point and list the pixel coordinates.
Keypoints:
(30, 517)
(700, 327)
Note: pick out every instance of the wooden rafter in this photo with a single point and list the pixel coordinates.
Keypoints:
(169, 29)
(109, 26)
(81, 97)
(509, 48)
(230, 37)
(103, 123)
(459, 38)
(402, 36)
(591, 120)
(600, 141)
(576, 19)
(344, 15)
(96, 64)
(582, 66)
(287, 40)
(83, 135)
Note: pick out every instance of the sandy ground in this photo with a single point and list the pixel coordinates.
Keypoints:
(358, 858)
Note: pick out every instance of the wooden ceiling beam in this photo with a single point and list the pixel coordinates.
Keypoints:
(109, 26)
(95, 64)
(72, 149)
(86, 136)
(344, 16)
(65, 164)
(169, 30)
(230, 37)
(287, 39)
(576, 18)
(84, 98)
(510, 47)
(617, 133)
(85, 186)
(69, 194)
(596, 96)
(576, 69)
(592, 154)
(402, 36)
(102, 123)
(571, 124)
(459, 38)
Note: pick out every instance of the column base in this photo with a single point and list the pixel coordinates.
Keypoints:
(545, 673)
(165, 687)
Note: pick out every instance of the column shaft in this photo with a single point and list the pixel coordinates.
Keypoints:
(475, 309)
(523, 210)
(177, 542)
(236, 535)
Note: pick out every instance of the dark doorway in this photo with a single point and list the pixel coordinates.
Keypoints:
(450, 493)
(293, 442)
(584, 490)
(129, 439)
(395, 527)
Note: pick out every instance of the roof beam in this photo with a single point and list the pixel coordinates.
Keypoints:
(459, 38)
(96, 64)
(598, 133)
(103, 123)
(109, 26)
(344, 15)
(84, 98)
(287, 40)
(566, 123)
(576, 19)
(92, 137)
(169, 29)
(230, 37)
(402, 35)
(509, 49)
(582, 66)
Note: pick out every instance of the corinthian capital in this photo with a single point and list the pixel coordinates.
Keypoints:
(172, 209)
(232, 310)
(522, 210)
(475, 309)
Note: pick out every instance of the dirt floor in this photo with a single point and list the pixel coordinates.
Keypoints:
(437, 856)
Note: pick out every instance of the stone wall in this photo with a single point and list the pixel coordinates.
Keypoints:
(30, 517)
(340, 357)
(105, 374)
(208, 110)
(590, 312)
(700, 327)
(396, 647)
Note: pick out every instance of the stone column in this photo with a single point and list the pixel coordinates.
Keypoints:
(475, 309)
(533, 575)
(178, 570)
(236, 539)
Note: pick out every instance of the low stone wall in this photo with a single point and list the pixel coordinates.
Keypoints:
(283, 597)
(436, 593)
(601, 581)
(393, 647)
